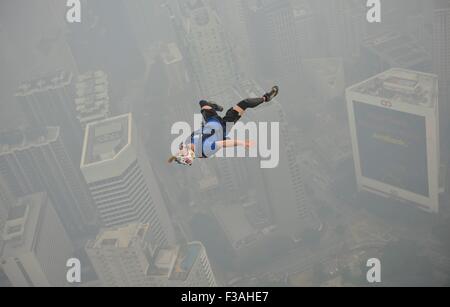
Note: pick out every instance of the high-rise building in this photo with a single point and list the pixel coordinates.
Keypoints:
(275, 39)
(343, 25)
(49, 102)
(394, 128)
(284, 185)
(36, 245)
(441, 60)
(124, 256)
(209, 52)
(92, 97)
(105, 40)
(36, 160)
(233, 15)
(394, 49)
(121, 179)
(7, 199)
(305, 23)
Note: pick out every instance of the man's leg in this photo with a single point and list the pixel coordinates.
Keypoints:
(208, 111)
(235, 113)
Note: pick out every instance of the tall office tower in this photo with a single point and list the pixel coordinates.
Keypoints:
(121, 257)
(7, 199)
(284, 184)
(210, 57)
(233, 15)
(393, 49)
(441, 60)
(394, 128)
(39, 44)
(49, 102)
(124, 256)
(121, 179)
(92, 97)
(275, 40)
(35, 160)
(36, 245)
(306, 28)
(105, 40)
(344, 26)
(145, 21)
(175, 68)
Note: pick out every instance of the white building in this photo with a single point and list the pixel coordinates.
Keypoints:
(34, 160)
(121, 179)
(394, 127)
(210, 56)
(125, 257)
(36, 245)
(441, 63)
(284, 184)
(92, 97)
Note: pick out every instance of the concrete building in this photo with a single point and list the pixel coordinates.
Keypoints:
(125, 257)
(36, 245)
(344, 24)
(48, 101)
(394, 125)
(305, 23)
(121, 179)
(394, 49)
(283, 185)
(326, 76)
(92, 97)
(275, 40)
(441, 63)
(244, 225)
(211, 61)
(36, 160)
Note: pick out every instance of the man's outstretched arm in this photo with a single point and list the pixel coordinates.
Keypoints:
(234, 143)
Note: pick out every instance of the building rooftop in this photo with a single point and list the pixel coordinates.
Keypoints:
(50, 81)
(22, 139)
(22, 225)
(402, 86)
(302, 9)
(176, 263)
(120, 237)
(187, 256)
(399, 50)
(92, 97)
(237, 227)
(171, 54)
(106, 138)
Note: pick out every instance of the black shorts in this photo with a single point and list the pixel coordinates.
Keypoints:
(232, 116)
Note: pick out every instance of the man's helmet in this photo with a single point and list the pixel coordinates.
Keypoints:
(185, 156)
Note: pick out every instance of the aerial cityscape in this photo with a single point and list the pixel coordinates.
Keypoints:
(353, 164)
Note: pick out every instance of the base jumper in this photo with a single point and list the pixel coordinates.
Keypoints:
(213, 135)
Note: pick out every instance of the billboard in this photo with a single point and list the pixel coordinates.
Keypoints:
(392, 147)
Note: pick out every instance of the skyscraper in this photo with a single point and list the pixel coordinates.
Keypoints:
(394, 128)
(124, 256)
(283, 185)
(7, 199)
(36, 245)
(36, 160)
(92, 97)
(343, 25)
(49, 102)
(233, 15)
(275, 40)
(121, 179)
(441, 60)
(210, 55)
